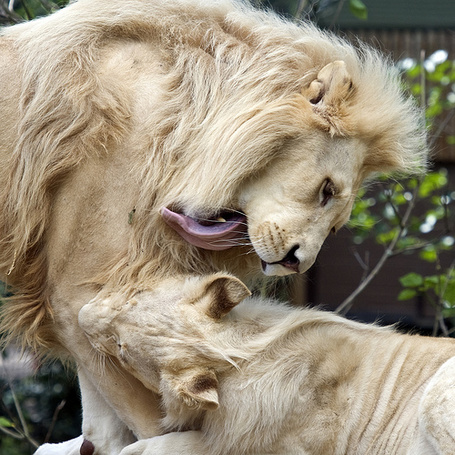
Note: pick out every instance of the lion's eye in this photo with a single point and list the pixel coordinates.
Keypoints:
(328, 190)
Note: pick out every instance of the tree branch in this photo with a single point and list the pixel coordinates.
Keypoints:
(344, 307)
(21, 417)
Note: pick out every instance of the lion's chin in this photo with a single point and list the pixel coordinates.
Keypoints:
(217, 233)
(275, 269)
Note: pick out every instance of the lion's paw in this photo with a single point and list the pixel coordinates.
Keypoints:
(184, 443)
(71, 447)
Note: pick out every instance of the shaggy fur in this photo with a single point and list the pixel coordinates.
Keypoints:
(276, 380)
(114, 109)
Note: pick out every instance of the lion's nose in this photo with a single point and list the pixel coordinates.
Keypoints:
(290, 261)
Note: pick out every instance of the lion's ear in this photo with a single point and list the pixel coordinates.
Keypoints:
(328, 92)
(221, 294)
(196, 388)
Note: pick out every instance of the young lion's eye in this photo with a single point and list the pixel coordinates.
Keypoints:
(328, 190)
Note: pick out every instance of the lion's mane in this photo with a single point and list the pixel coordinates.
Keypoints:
(231, 74)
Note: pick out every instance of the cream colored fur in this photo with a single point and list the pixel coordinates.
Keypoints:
(113, 109)
(270, 379)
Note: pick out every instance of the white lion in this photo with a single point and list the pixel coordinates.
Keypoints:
(265, 378)
(141, 139)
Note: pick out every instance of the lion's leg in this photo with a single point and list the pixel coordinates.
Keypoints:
(437, 413)
(100, 424)
(116, 390)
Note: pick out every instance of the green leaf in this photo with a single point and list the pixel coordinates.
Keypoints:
(386, 237)
(449, 294)
(358, 9)
(407, 294)
(5, 423)
(415, 71)
(411, 280)
(448, 312)
(429, 254)
(433, 181)
(431, 282)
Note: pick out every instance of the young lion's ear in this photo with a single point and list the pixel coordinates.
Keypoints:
(222, 293)
(328, 91)
(196, 388)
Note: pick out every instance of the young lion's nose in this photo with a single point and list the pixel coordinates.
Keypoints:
(290, 261)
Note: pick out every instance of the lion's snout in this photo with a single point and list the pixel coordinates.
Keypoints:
(281, 253)
(296, 260)
(290, 261)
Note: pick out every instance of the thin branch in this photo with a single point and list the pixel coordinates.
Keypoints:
(419, 246)
(388, 194)
(20, 433)
(439, 321)
(423, 93)
(301, 8)
(48, 5)
(21, 417)
(18, 407)
(13, 433)
(363, 264)
(441, 128)
(448, 275)
(344, 307)
(445, 206)
(435, 324)
(337, 14)
(28, 13)
(54, 420)
(442, 325)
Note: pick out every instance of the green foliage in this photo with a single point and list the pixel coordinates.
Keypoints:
(38, 408)
(29, 9)
(313, 8)
(417, 216)
(358, 9)
(440, 79)
(6, 423)
(440, 289)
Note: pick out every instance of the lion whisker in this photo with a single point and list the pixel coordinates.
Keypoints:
(105, 363)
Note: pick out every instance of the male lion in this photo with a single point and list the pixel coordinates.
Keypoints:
(269, 379)
(141, 139)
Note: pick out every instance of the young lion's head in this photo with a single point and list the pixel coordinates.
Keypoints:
(165, 338)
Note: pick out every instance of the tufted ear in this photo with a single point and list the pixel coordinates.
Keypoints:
(221, 294)
(196, 388)
(327, 92)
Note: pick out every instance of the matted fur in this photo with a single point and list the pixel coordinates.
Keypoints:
(228, 85)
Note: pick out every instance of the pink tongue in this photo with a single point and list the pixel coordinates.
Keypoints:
(217, 236)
